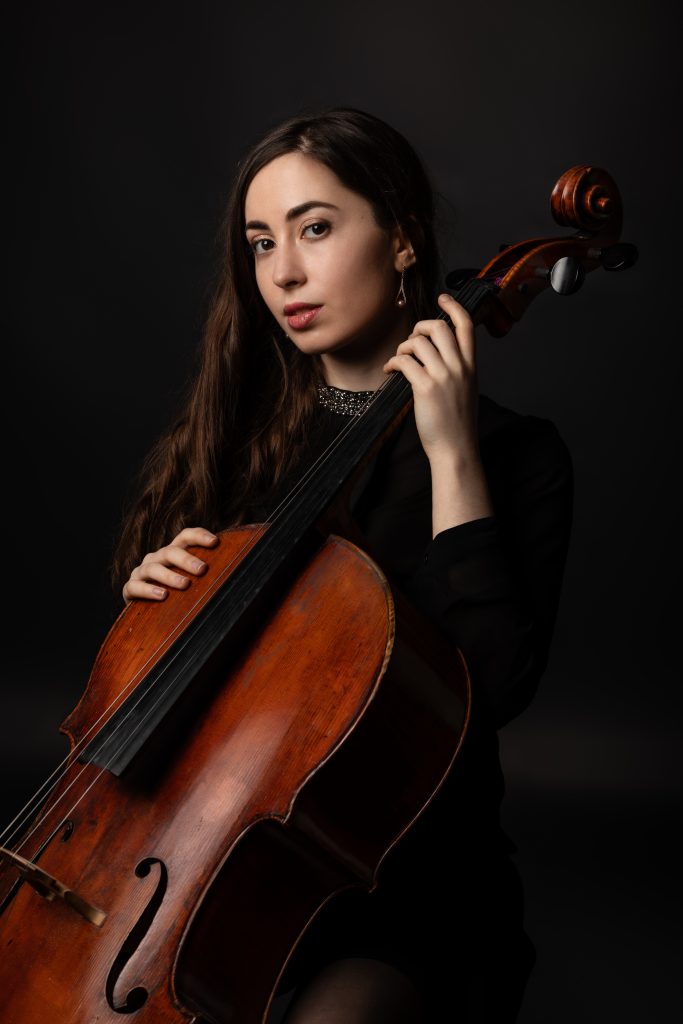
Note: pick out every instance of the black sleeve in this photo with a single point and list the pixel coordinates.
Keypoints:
(493, 584)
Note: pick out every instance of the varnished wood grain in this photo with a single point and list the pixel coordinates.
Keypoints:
(288, 780)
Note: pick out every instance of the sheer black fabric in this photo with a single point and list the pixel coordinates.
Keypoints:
(448, 906)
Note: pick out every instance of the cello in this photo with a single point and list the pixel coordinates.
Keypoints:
(246, 750)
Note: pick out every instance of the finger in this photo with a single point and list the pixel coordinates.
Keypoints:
(443, 340)
(464, 328)
(195, 535)
(411, 370)
(139, 589)
(156, 571)
(174, 555)
(430, 356)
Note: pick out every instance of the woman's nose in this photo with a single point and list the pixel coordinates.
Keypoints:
(287, 266)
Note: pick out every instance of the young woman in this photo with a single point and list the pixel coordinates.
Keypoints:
(329, 283)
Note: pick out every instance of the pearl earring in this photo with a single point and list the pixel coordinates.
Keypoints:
(401, 298)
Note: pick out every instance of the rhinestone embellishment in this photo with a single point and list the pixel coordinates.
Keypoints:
(348, 403)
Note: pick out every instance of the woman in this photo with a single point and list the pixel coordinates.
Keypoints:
(328, 285)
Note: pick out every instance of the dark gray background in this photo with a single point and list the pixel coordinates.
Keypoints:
(125, 127)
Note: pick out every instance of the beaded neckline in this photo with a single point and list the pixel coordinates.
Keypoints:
(348, 403)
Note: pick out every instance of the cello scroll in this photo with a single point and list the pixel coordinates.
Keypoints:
(585, 198)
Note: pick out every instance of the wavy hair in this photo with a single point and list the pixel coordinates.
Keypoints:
(248, 408)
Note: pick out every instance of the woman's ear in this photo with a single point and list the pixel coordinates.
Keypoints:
(404, 252)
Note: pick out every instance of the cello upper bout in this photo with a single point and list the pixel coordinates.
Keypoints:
(144, 630)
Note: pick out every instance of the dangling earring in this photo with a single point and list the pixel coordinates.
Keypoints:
(401, 297)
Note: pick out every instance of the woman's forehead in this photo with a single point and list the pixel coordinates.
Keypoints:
(291, 180)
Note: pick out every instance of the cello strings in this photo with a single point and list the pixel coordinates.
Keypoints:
(32, 805)
(246, 547)
(270, 521)
(276, 513)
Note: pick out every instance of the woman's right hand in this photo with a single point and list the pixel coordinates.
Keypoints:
(156, 566)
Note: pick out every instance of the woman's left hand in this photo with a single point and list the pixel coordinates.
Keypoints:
(445, 386)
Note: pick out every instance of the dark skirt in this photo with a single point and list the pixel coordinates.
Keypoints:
(448, 914)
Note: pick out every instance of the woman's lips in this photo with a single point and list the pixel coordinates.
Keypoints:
(304, 318)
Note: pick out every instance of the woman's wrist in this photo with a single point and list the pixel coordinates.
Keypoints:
(460, 491)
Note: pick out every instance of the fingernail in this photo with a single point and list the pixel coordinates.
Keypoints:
(198, 565)
(158, 592)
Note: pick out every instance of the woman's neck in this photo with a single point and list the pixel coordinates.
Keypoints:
(359, 367)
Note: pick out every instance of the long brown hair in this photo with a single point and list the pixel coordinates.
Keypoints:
(249, 406)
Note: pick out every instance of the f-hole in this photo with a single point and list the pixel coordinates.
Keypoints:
(137, 997)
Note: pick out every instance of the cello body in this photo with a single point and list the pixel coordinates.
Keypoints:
(283, 778)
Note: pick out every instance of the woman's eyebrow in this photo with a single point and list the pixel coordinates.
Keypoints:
(296, 211)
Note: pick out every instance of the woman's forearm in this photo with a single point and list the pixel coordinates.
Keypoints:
(460, 492)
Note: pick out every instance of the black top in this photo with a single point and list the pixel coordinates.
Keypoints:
(493, 586)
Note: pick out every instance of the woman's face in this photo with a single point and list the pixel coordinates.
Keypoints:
(316, 242)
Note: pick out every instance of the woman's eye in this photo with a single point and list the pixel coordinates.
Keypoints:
(318, 224)
(260, 241)
(262, 245)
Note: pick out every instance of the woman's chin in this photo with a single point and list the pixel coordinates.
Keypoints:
(355, 346)
(317, 343)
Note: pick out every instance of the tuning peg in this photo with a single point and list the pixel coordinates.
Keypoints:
(620, 256)
(566, 276)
